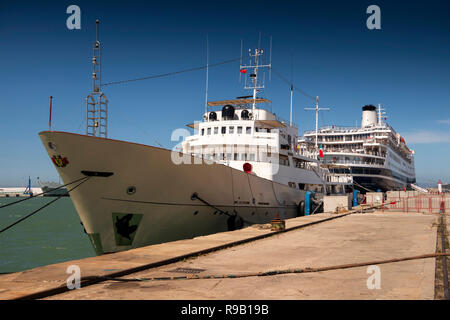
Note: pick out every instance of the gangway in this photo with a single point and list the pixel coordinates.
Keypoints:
(420, 189)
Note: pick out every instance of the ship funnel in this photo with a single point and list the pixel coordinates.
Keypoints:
(369, 116)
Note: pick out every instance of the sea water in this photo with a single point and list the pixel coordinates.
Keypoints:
(52, 235)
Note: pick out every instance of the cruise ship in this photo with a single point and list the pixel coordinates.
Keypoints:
(374, 154)
(241, 166)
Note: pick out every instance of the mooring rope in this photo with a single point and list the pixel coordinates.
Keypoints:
(362, 186)
(276, 272)
(44, 206)
(196, 196)
(40, 194)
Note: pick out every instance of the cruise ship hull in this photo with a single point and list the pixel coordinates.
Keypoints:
(377, 183)
(384, 180)
(136, 195)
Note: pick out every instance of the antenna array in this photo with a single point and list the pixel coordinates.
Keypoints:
(255, 84)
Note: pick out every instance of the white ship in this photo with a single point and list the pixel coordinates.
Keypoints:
(374, 154)
(240, 167)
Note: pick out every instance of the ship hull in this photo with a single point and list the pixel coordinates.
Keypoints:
(377, 183)
(145, 198)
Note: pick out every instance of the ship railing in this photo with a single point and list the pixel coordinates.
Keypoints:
(344, 129)
(354, 151)
(339, 178)
(268, 135)
(355, 162)
(285, 122)
(261, 106)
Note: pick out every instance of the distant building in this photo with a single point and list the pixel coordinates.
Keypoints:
(17, 192)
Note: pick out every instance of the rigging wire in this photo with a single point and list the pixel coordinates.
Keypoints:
(290, 83)
(279, 75)
(322, 119)
(171, 73)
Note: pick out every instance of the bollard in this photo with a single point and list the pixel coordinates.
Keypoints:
(277, 224)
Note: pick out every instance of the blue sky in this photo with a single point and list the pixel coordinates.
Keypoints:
(324, 46)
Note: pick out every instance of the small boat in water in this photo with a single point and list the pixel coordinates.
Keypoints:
(52, 189)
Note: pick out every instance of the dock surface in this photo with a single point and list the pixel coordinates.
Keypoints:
(341, 239)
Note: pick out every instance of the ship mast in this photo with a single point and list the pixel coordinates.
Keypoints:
(255, 84)
(96, 101)
(317, 109)
(380, 115)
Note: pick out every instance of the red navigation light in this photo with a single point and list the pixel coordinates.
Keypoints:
(247, 167)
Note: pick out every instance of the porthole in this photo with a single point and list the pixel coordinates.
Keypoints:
(131, 190)
(195, 213)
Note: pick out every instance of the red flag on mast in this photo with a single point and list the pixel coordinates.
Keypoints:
(243, 71)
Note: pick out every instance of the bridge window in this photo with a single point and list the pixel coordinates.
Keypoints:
(203, 132)
(239, 130)
(216, 130)
(224, 130)
(208, 131)
(248, 130)
(231, 130)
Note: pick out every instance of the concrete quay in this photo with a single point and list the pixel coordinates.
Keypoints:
(341, 239)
